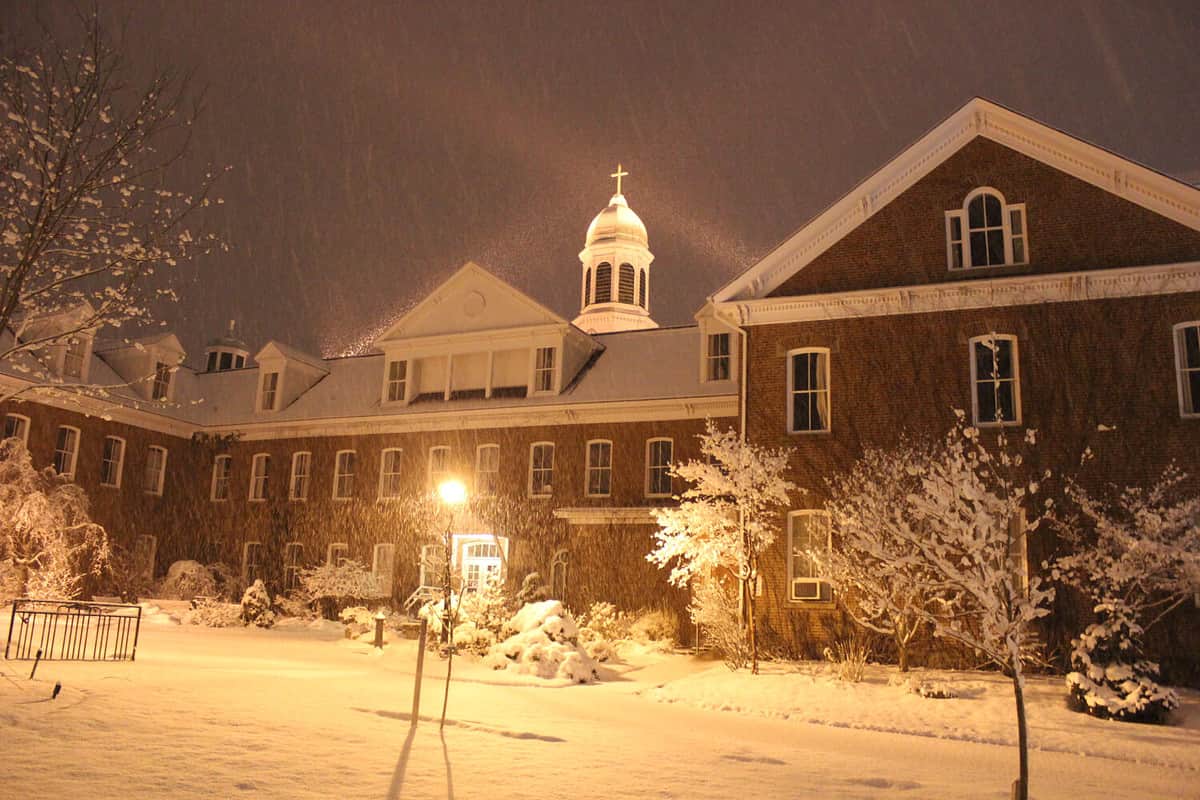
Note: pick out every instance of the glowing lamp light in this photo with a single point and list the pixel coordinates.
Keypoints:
(452, 492)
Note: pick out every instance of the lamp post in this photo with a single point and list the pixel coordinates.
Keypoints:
(453, 493)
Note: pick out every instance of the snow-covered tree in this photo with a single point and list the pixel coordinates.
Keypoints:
(726, 519)
(878, 578)
(90, 221)
(1136, 555)
(337, 583)
(46, 535)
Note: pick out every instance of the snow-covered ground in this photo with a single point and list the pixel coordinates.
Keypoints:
(299, 712)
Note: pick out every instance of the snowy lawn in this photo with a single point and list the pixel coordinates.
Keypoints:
(299, 713)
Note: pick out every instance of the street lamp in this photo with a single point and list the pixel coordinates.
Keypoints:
(453, 493)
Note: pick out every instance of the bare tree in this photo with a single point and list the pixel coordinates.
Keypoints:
(90, 224)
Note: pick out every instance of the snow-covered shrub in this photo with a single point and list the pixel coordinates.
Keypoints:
(125, 576)
(487, 608)
(186, 580)
(848, 659)
(603, 621)
(600, 650)
(532, 590)
(543, 640)
(470, 637)
(296, 605)
(924, 687)
(213, 614)
(360, 624)
(1109, 679)
(332, 586)
(714, 608)
(256, 606)
(227, 580)
(655, 626)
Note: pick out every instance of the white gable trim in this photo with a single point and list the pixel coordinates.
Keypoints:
(1106, 170)
(963, 295)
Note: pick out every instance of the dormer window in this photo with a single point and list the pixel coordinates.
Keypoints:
(161, 389)
(270, 390)
(717, 367)
(543, 370)
(397, 381)
(986, 232)
(73, 358)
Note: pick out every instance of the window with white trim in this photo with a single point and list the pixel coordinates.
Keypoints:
(383, 567)
(560, 565)
(260, 469)
(145, 548)
(659, 452)
(397, 381)
(986, 232)
(16, 426)
(66, 450)
(112, 461)
(343, 475)
(808, 390)
(389, 473)
(439, 465)
(717, 359)
(1187, 363)
(73, 357)
(808, 532)
(156, 470)
(481, 562)
(337, 554)
(270, 391)
(1018, 552)
(251, 562)
(161, 389)
(599, 468)
(293, 562)
(995, 380)
(433, 565)
(541, 469)
(487, 469)
(301, 476)
(543, 370)
(222, 467)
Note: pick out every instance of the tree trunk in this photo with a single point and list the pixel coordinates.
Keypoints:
(751, 628)
(902, 652)
(1021, 790)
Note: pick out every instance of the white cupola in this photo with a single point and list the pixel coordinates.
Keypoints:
(616, 270)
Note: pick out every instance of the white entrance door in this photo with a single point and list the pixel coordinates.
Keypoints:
(480, 559)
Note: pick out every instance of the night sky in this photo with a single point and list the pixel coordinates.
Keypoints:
(376, 146)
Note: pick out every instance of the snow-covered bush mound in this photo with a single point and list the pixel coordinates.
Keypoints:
(213, 614)
(359, 622)
(479, 617)
(543, 640)
(256, 606)
(655, 626)
(1108, 677)
(186, 580)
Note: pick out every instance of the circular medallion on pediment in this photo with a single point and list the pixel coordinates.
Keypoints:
(473, 304)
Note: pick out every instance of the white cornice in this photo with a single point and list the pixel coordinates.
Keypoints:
(1138, 184)
(94, 407)
(477, 418)
(968, 294)
(605, 516)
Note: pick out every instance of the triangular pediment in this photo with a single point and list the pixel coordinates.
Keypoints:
(472, 300)
(1119, 177)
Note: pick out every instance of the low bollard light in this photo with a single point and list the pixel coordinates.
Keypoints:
(379, 618)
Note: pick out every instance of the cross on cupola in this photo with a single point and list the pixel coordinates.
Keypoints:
(618, 175)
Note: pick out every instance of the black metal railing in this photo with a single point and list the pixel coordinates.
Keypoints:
(63, 630)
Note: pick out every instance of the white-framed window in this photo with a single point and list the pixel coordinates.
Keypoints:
(433, 565)
(439, 465)
(301, 475)
(659, 453)
(156, 470)
(560, 566)
(389, 473)
(112, 461)
(717, 362)
(343, 475)
(1018, 552)
(481, 560)
(269, 392)
(74, 356)
(487, 469)
(808, 390)
(995, 380)
(16, 426)
(397, 381)
(1187, 365)
(145, 548)
(986, 232)
(807, 532)
(337, 554)
(222, 467)
(293, 562)
(252, 553)
(541, 469)
(383, 567)
(161, 388)
(598, 478)
(66, 450)
(543, 369)
(260, 475)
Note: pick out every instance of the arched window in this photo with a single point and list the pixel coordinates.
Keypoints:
(587, 286)
(604, 283)
(625, 284)
(559, 570)
(986, 232)
(642, 289)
